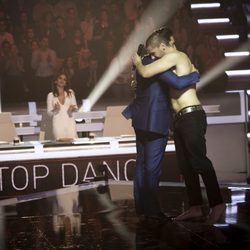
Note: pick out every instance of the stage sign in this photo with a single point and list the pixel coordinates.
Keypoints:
(25, 177)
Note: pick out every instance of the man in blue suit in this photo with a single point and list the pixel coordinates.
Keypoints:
(150, 114)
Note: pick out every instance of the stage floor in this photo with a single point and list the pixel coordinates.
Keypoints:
(100, 215)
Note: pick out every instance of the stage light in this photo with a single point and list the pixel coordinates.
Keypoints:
(161, 15)
(223, 66)
(238, 187)
(204, 5)
(85, 106)
(248, 91)
(227, 37)
(213, 20)
(242, 72)
(239, 53)
(123, 58)
(224, 225)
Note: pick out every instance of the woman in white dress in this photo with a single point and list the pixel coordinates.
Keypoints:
(61, 102)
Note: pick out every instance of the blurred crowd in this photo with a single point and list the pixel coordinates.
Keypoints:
(39, 38)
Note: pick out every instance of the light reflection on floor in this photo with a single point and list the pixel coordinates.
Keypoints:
(101, 215)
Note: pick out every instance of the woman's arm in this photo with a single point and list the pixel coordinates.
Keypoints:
(52, 108)
(73, 104)
(73, 98)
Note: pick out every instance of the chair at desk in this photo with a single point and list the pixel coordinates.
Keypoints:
(7, 127)
(46, 127)
(115, 124)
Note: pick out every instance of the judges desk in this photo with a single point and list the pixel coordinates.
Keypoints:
(29, 167)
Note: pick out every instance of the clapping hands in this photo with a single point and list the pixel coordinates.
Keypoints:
(56, 107)
(71, 109)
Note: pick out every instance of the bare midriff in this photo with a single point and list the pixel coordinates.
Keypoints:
(187, 98)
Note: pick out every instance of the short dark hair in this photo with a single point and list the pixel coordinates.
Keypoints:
(162, 35)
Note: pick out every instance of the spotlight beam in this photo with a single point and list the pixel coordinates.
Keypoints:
(161, 11)
(161, 14)
(224, 65)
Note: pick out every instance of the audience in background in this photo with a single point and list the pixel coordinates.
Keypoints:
(13, 87)
(40, 9)
(47, 26)
(20, 29)
(4, 34)
(82, 37)
(60, 38)
(43, 62)
(87, 25)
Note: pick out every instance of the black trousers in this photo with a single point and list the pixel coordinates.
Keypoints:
(190, 143)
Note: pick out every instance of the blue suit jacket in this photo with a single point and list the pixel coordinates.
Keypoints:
(150, 110)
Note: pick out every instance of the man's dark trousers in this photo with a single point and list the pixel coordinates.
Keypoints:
(150, 152)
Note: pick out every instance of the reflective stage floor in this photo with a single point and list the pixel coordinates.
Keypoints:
(100, 215)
